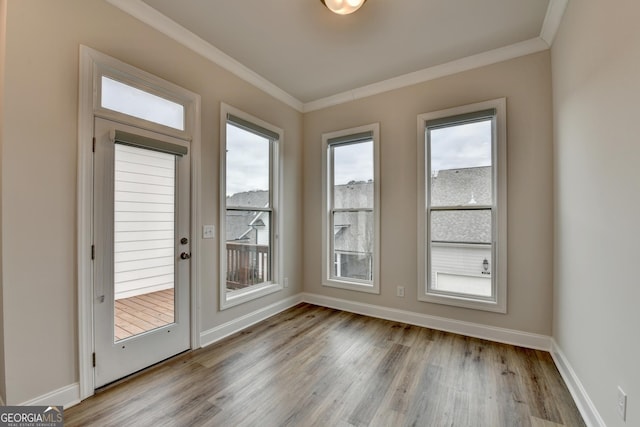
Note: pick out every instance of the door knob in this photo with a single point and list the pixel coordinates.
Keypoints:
(185, 255)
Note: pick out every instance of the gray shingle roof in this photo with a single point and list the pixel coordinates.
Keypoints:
(254, 199)
(353, 195)
(459, 187)
(353, 231)
(239, 222)
(461, 226)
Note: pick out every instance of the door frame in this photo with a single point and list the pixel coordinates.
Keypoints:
(93, 64)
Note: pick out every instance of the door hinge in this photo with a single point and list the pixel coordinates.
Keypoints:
(94, 359)
(94, 145)
(93, 252)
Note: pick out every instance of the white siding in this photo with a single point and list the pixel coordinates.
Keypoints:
(144, 213)
(460, 268)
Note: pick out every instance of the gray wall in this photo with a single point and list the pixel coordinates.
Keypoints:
(596, 87)
(39, 175)
(526, 82)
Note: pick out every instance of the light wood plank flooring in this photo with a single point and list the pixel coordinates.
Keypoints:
(143, 313)
(314, 366)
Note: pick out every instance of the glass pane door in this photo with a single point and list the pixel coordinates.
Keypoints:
(144, 240)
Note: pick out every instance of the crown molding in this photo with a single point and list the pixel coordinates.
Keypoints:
(552, 20)
(145, 13)
(464, 64)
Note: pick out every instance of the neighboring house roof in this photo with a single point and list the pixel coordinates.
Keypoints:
(452, 187)
(353, 231)
(461, 187)
(353, 195)
(461, 226)
(254, 199)
(239, 222)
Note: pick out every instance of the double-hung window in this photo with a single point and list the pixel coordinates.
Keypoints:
(249, 208)
(351, 209)
(462, 206)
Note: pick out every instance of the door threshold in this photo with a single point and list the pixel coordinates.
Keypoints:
(144, 371)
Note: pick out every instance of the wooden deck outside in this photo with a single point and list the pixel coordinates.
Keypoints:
(247, 265)
(143, 313)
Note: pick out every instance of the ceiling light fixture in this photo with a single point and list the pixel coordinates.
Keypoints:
(343, 7)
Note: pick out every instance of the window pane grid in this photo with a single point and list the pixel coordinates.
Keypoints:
(351, 211)
(249, 207)
(460, 208)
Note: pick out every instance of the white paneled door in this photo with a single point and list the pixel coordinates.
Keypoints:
(141, 249)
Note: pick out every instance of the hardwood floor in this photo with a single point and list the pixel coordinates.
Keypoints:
(314, 366)
(143, 313)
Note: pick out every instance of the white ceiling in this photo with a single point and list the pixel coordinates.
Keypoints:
(301, 48)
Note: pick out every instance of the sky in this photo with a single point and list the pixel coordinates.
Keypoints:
(461, 146)
(353, 162)
(454, 147)
(247, 161)
(138, 103)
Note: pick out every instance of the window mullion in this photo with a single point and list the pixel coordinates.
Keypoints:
(348, 210)
(248, 208)
(462, 208)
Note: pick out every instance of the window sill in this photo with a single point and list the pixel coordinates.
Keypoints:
(235, 298)
(471, 303)
(372, 288)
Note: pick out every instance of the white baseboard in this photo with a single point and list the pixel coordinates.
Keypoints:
(586, 407)
(66, 396)
(236, 325)
(491, 333)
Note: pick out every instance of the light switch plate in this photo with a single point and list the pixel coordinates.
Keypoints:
(208, 231)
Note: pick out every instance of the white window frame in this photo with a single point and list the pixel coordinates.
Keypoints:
(92, 66)
(275, 285)
(498, 303)
(328, 259)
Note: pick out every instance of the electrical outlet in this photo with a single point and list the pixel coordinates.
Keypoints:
(400, 291)
(621, 407)
(286, 282)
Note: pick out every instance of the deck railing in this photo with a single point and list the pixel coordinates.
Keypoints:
(247, 265)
